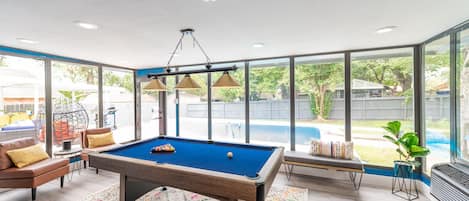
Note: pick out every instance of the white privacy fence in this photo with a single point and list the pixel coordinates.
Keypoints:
(383, 108)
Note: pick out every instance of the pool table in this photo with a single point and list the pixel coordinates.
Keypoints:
(197, 166)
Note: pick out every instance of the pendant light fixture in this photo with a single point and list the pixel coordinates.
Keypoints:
(155, 85)
(226, 81)
(187, 83)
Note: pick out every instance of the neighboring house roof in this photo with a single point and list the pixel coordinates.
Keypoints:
(361, 84)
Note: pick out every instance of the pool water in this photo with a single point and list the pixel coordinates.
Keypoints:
(436, 142)
(281, 133)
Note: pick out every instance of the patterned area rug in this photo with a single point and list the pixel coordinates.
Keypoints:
(277, 193)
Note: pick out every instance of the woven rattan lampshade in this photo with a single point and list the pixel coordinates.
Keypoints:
(155, 85)
(187, 83)
(226, 81)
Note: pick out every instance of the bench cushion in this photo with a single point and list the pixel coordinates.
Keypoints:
(300, 157)
(33, 170)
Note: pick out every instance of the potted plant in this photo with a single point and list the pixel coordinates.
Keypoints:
(408, 148)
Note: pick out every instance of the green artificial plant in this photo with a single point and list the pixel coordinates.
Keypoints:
(407, 143)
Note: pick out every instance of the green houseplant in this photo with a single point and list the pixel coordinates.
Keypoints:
(408, 149)
(407, 143)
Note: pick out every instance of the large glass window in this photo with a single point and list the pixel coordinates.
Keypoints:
(437, 103)
(149, 112)
(382, 91)
(171, 103)
(319, 99)
(75, 101)
(228, 107)
(22, 112)
(269, 102)
(463, 87)
(118, 99)
(193, 107)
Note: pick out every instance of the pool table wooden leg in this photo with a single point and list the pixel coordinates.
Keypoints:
(123, 181)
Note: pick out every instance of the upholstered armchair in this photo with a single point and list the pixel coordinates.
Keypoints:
(85, 144)
(30, 176)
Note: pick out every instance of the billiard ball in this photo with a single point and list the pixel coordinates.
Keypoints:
(229, 155)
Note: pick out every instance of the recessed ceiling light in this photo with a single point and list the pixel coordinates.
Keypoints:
(24, 40)
(258, 45)
(385, 29)
(210, 0)
(86, 25)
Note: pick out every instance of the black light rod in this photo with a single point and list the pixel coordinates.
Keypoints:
(211, 70)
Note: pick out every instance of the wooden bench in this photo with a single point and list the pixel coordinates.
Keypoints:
(354, 167)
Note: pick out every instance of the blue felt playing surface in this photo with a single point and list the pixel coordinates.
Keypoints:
(247, 160)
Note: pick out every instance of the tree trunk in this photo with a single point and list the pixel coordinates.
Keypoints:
(322, 94)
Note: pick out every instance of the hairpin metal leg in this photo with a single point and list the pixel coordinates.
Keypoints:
(353, 178)
(288, 170)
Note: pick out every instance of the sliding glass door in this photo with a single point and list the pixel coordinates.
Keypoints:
(22, 98)
(74, 101)
(437, 101)
(118, 100)
(463, 94)
(269, 102)
(382, 91)
(193, 107)
(228, 107)
(319, 99)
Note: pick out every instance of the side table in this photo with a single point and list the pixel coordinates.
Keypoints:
(74, 156)
(404, 182)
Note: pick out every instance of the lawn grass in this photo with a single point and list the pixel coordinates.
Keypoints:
(359, 126)
(406, 124)
(380, 156)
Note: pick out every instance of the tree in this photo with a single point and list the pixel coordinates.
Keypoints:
(269, 81)
(119, 80)
(402, 70)
(319, 81)
(76, 72)
(395, 72)
(74, 96)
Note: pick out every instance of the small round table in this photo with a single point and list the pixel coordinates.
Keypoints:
(74, 156)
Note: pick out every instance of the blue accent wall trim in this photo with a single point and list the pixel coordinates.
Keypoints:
(379, 171)
(389, 173)
(30, 53)
(425, 179)
(145, 72)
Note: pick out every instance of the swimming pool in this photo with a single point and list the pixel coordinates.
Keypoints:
(436, 142)
(281, 133)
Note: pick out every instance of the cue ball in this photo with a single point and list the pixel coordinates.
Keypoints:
(229, 155)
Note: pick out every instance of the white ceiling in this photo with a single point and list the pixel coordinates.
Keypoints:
(142, 33)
